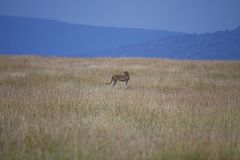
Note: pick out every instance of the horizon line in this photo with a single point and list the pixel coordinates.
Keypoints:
(117, 27)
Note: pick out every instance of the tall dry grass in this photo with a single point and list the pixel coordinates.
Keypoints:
(60, 108)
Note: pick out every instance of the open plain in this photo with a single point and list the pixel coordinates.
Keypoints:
(61, 108)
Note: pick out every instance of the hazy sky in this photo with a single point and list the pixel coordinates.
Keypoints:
(175, 15)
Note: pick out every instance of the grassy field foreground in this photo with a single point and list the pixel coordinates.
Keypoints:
(60, 108)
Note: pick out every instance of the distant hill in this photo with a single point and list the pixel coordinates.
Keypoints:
(34, 36)
(221, 45)
(20, 35)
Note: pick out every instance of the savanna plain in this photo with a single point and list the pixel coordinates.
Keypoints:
(61, 108)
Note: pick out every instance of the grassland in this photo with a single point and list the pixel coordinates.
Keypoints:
(60, 108)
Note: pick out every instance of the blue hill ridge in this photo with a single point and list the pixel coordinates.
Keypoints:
(35, 36)
(21, 35)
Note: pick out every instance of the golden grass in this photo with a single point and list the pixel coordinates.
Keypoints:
(60, 108)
